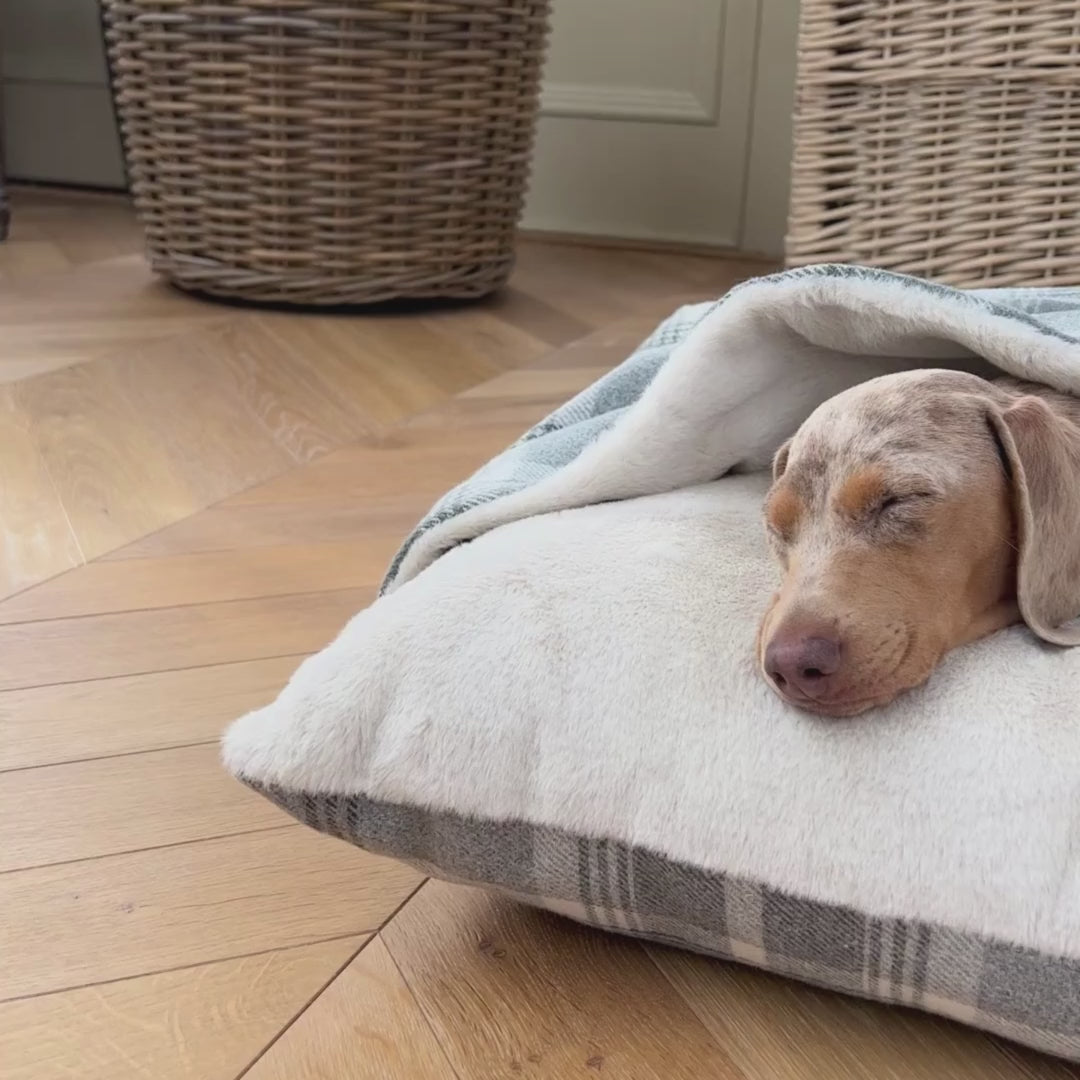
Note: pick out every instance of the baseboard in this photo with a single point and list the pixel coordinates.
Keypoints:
(674, 247)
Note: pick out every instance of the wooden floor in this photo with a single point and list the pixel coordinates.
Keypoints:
(194, 497)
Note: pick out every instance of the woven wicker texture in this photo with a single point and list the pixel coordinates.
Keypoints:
(939, 138)
(328, 153)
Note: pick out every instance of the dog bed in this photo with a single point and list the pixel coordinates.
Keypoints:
(555, 695)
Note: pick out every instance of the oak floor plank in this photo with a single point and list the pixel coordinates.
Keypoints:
(136, 642)
(483, 331)
(514, 402)
(440, 357)
(609, 345)
(365, 1026)
(376, 525)
(49, 725)
(76, 315)
(775, 1029)
(371, 491)
(535, 388)
(362, 362)
(306, 415)
(201, 1023)
(533, 315)
(14, 369)
(87, 226)
(201, 578)
(86, 809)
(182, 389)
(603, 301)
(25, 258)
(125, 915)
(413, 466)
(113, 476)
(36, 539)
(609, 284)
(508, 990)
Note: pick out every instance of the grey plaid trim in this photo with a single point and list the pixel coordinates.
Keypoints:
(1012, 991)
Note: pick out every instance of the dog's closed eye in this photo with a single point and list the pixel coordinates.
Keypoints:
(871, 494)
(898, 501)
(897, 517)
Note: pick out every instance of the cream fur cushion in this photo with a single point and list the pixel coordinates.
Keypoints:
(566, 709)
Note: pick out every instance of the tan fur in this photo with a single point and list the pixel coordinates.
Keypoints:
(783, 510)
(1041, 436)
(861, 491)
(913, 536)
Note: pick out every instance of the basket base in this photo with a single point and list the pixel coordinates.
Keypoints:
(215, 281)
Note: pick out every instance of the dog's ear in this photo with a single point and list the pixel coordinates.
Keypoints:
(779, 461)
(1042, 453)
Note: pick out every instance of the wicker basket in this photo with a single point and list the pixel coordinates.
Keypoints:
(940, 138)
(328, 153)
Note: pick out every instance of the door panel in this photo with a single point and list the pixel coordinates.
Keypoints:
(645, 119)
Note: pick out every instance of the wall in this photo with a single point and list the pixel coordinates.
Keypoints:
(58, 120)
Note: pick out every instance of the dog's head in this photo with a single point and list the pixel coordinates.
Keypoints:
(912, 514)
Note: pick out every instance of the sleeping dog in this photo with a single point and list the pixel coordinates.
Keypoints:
(912, 514)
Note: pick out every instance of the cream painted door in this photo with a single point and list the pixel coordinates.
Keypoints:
(645, 122)
(648, 118)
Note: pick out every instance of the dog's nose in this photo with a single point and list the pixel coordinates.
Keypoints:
(802, 663)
